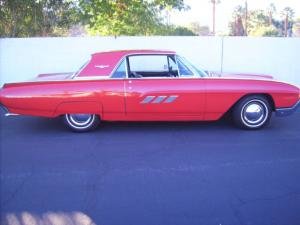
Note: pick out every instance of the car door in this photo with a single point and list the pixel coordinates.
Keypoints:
(156, 90)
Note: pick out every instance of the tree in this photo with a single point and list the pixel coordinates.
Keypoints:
(125, 17)
(270, 11)
(287, 14)
(197, 29)
(261, 23)
(181, 31)
(214, 2)
(246, 18)
(257, 19)
(265, 31)
(236, 27)
(296, 28)
(24, 18)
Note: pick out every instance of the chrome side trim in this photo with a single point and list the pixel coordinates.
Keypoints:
(287, 111)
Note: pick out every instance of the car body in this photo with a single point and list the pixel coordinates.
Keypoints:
(149, 85)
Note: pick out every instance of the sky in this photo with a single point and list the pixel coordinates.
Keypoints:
(201, 11)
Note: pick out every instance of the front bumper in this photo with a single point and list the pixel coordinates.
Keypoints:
(287, 111)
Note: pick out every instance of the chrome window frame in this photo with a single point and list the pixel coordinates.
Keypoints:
(125, 57)
(193, 71)
(137, 54)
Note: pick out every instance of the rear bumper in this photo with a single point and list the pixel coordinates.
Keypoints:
(4, 109)
(6, 112)
(287, 111)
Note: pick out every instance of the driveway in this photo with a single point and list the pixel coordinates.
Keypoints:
(150, 173)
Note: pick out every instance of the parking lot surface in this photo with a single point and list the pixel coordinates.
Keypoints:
(150, 173)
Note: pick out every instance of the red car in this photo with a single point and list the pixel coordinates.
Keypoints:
(149, 85)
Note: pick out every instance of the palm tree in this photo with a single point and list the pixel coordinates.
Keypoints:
(238, 14)
(287, 14)
(214, 2)
(271, 10)
(246, 18)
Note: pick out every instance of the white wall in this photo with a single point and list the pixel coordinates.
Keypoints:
(24, 58)
(279, 57)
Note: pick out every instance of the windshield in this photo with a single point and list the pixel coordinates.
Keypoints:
(195, 70)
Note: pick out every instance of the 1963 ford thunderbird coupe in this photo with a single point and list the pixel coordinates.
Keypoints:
(149, 85)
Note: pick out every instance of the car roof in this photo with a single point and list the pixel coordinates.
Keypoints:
(117, 53)
(103, 63)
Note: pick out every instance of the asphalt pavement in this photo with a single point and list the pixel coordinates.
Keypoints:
(194, 173)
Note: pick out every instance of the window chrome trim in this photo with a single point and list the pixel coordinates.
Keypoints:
(125, 57)
(93, 78)
(179, 75)
(116, 67)
(193, 70)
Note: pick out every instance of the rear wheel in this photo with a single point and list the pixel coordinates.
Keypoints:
(252, 112)
(81, 122)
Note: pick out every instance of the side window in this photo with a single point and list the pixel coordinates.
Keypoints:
(143, 66)
(148, 63)
(120, 72)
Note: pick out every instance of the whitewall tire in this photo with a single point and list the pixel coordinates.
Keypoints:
(81, 122)
(252, 112)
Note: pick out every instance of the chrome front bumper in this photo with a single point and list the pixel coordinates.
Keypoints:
(287, 111)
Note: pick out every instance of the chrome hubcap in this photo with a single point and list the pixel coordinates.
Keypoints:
(80, 119)
(255, 113)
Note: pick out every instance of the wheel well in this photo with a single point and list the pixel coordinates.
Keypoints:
(228, 113)
(267, 96)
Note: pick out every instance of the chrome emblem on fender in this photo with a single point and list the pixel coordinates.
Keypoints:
(171, 99)
(159, 99)
(147, 99)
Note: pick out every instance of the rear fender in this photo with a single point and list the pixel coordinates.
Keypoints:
(72, 107)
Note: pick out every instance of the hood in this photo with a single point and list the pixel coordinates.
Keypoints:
(241, 75)
(53, 76)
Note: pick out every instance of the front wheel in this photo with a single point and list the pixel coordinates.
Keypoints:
(252, 112)
(81, 122)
